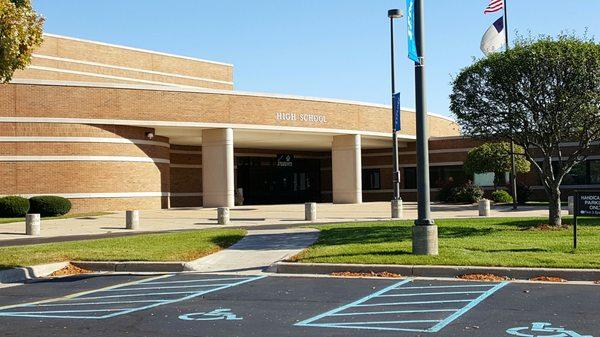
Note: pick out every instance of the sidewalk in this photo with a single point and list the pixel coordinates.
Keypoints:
(281, 216)
(258, 250)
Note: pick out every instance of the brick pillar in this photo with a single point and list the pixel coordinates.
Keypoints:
(346, 169)
(217, 168)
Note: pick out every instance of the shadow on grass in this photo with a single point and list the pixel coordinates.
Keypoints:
(514, 250)
(381, 234)
(225, 241)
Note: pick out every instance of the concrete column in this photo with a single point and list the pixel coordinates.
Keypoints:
(484, 207)
(346, 169)
(217, 168)
(310, 211)
(132, 219)
(223, 215)
(32, 224)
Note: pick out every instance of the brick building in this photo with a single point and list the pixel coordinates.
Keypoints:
(113, 127)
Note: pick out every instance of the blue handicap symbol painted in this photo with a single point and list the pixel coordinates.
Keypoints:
(545, 329)
(214, 315)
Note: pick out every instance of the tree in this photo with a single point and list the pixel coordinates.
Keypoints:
(495, 157)
(20, 34)
(538, 94)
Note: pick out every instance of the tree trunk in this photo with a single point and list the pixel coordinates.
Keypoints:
(554, 218)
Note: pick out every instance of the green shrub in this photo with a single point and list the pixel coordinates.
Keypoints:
(13, 207)
(501, 196)
(49, 205)
(466, 192)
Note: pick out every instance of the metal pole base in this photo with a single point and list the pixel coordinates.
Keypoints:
(425, 240)
(397, 209)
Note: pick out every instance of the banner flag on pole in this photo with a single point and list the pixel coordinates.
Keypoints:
(493, 39)
(396, 111)
(410, 20)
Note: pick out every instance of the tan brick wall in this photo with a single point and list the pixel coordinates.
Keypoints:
(124, 57)
(26, 100)
(75, 176)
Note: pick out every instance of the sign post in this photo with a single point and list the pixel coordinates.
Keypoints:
(587, 203)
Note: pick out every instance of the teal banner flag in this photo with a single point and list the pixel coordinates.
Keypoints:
(412, 43)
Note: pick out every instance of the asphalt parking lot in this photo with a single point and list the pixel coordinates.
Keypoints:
(187, 304)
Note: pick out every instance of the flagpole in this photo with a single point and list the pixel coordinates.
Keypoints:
(513, 177)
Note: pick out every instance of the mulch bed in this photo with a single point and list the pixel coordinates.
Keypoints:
(483, 277)
(548, 279)
(70, 269)
(371, 274)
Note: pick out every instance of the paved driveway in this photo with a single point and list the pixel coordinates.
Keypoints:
(215, 305)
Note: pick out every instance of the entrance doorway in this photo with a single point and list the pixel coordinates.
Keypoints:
(281, 180)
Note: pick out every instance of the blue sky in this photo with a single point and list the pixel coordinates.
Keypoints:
(324, 48)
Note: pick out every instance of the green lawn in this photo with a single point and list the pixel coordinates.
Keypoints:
(66, 216)
(177, 246)
(483, 242)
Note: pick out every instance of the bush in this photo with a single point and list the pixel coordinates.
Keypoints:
(13, 207)
(501, 196)
(466, 192)
(49, 205)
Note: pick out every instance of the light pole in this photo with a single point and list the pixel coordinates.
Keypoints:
(425, 234)
(396, 200)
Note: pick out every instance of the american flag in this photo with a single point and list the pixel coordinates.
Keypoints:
(494, 6)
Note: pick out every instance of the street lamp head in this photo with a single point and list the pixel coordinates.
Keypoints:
(395, 14)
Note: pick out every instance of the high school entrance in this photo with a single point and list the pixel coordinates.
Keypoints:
(280, 180)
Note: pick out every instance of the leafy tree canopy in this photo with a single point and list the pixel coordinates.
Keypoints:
(495, 157)
(540, 93)
(20, 33)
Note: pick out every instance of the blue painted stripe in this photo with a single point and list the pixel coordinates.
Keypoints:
(59, 311)
(355, 303)
(171, 287)
(390, 322)
(201, 280)
(434, 294)
(97, 303)
(451, 286)
(468, 307)
(409, 303)
(395, 312)
(340, 326)
(188, 297)
(117, 312)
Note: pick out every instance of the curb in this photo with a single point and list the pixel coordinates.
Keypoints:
(436, 271)
(128, 266)
(17, 275)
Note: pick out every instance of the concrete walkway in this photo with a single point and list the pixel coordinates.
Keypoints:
(257, 251)
(279, 216)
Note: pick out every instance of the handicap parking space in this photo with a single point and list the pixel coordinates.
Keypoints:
(188, 304)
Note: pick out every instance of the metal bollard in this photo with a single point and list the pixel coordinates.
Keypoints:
(223, 215)
(32, 224)
(310, 211)
(397, 212)
(132, 219)
(484, 207)
(571, 205)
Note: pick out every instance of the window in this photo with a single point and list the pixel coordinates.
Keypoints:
(410, 177)
(438, 176)
(586, 173)
(371, 179)
(484, 179)
(594, 172)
